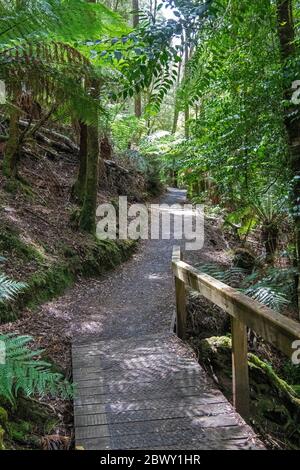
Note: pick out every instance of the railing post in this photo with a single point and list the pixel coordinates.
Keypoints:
(240, 372)
(180, 306)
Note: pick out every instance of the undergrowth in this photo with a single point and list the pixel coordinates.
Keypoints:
(51, 278)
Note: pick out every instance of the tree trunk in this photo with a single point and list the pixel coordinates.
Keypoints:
(88, 212)
(79, 186)
(186, 103)
(11, 154)
(286, 34)
(105, 154)
(135, 23)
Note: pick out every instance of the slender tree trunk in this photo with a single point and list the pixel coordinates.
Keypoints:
(88, 212)
(286, 32)
(12, 148)
(186, 104)
(135, 23)
(79, 186)
(176, 108)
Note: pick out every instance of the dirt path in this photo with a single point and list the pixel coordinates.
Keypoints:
(137, 298)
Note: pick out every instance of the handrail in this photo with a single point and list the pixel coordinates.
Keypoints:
(245, 312)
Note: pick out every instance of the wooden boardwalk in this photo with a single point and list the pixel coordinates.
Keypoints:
(150, 393)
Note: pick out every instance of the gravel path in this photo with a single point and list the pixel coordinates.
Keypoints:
(136, 299)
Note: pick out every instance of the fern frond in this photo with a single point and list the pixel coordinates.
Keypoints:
(9, 288)
(232, 276)
(266, 295)
(21, 371)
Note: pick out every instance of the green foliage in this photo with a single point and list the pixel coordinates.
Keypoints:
(9, 288)
(127, 131)
(273, 287)
(236, 114)
(42, 45)
(23, 372)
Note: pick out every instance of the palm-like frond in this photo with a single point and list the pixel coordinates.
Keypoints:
(39, 47)
(65, 20)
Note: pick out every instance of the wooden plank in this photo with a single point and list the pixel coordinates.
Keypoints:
(202, 438)
(275, 328)
(240, 373)
(137, 361)
(146, 396)
(180, 294)
(152, 406)
(133, 374)
(182, 380)
(133, 401)
(161, 426)
(91, 418)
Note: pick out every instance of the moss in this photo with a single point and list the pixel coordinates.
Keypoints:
(2, 447)
(275, 405)
(284, 389)
(19, 431)
(50, 281)
(3, 416)
(11, 243)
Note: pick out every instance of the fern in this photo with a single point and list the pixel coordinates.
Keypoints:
(274, 289)
(9, 288)
(232, 276)
(22, 372)
(272, 298)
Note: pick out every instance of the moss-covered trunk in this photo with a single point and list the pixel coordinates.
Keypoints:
(88, 212)
(79, 186)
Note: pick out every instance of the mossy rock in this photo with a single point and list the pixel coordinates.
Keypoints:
(275, 405)
(19, 431)
(3, 416)
(244, 258)
(2, 432)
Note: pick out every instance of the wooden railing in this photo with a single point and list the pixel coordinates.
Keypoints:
(245, 312)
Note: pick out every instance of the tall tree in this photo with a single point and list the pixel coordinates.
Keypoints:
(286, 32)
(88, 212)
(79, 186)
(135, 23)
